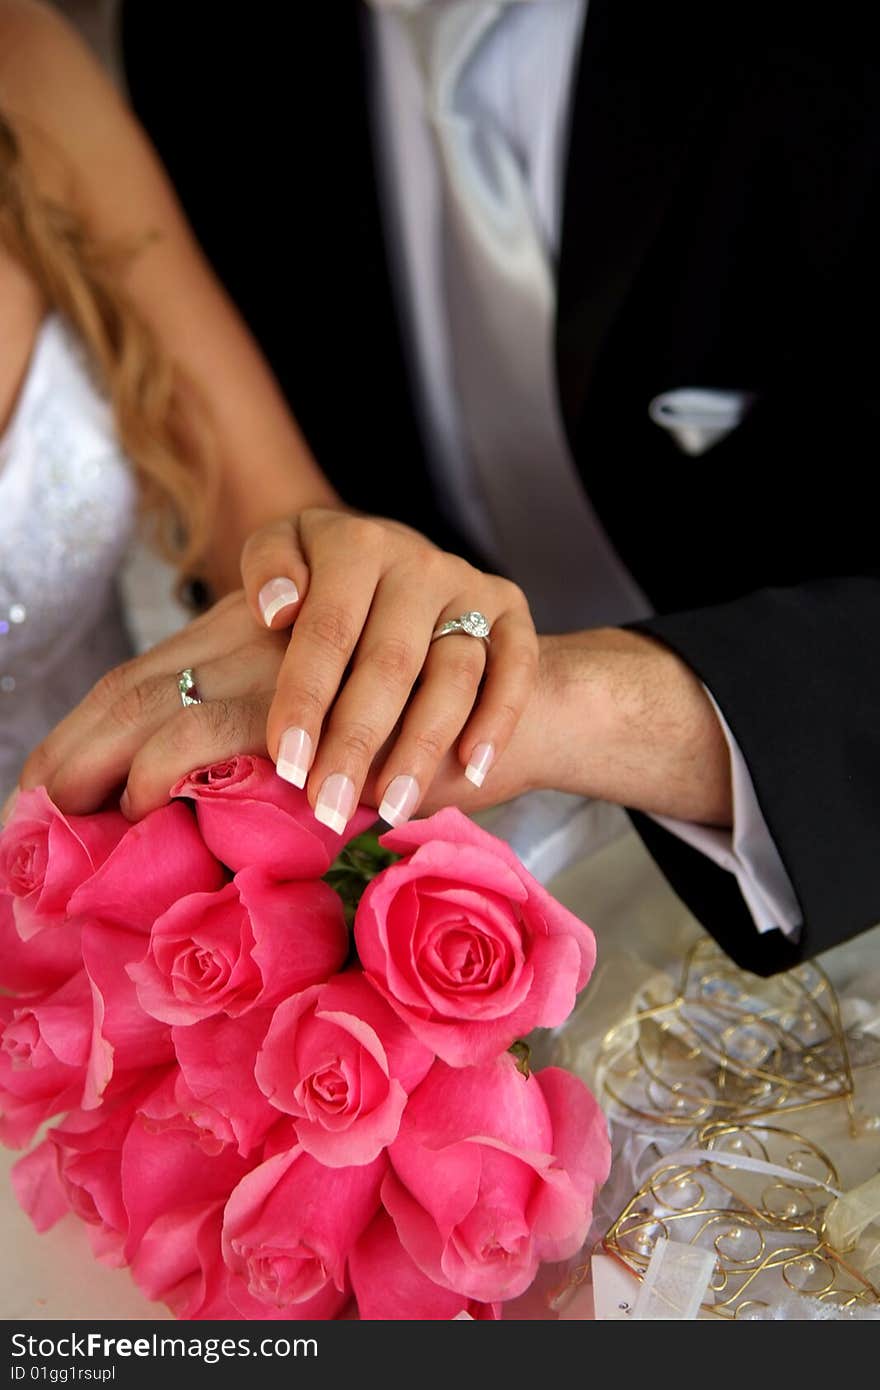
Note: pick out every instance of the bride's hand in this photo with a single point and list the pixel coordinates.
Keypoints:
(361, 678)
(370, 598)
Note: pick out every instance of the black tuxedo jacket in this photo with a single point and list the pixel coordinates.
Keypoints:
(721, 229)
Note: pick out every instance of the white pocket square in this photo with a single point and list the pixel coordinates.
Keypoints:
(698, 417)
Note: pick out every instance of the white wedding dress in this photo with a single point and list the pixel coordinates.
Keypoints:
(67, 509)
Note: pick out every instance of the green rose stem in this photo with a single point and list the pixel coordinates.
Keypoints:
(354, 867)
(523, 1054)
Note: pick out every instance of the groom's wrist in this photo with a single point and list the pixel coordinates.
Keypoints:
(620, 717)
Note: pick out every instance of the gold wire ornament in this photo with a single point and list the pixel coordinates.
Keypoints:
(729, 1045)
(719, 1062)
(763, 1222)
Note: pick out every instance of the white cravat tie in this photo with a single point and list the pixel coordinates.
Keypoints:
(501, 305)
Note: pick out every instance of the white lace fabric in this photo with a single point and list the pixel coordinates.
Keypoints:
(67, 508)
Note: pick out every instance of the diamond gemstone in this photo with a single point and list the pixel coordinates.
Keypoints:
(475, 624)
(186, 684)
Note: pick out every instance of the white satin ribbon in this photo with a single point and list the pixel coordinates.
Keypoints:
(697, 1158)
(851, 1214)
(676, 1282)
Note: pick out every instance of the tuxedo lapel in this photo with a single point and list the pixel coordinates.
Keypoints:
(642, 84)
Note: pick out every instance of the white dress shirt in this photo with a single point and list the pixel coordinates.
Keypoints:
(520, 79)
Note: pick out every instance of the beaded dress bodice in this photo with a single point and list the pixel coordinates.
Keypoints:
(67, 507)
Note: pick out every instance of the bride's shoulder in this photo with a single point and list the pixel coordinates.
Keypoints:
(51, 89)
(81, 144)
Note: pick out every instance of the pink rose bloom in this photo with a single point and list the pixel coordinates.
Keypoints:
(217, 1058)
(124, 1038)
(389, 1286)
(45, 856)
(467, 947)
(493, 1173)
(158, 861)
(288, 1230)
(249, 816)
(249, 945)
(340, 1061)
(41, 963)
(44, 1049)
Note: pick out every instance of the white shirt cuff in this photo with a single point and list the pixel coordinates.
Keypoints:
(747, 850)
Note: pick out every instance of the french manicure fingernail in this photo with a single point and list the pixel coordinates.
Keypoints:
(335, 802)
(399, 800)
(8, 806)
(125, 803)
(294, 756)
(277, 594)
(482, 759)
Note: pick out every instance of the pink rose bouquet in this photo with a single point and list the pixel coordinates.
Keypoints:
(279, 1062)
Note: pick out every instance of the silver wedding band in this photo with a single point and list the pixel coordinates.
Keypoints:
(186, 685)
(473, 624)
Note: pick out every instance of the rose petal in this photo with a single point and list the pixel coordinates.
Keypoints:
(300, 936)
(251, 818)
(218, 1057)
(124, 1037)
(163, 1170)
(168, 1263)
(42, 962)
(160, 860)
(38, 1187)
(389, 1286)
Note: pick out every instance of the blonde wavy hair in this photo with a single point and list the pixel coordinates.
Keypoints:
(160, 421)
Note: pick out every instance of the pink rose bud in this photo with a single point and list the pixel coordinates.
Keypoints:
(493, 1173)
(45, 856)
(288, 1230)
(338, 1059)
(250, 817)
(465, 944)
(249, 945)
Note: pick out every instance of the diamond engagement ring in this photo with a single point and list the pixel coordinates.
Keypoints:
(472, 624)
(186, 685)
